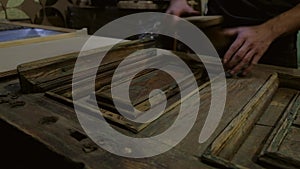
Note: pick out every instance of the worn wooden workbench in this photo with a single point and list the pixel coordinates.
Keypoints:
(48, 131)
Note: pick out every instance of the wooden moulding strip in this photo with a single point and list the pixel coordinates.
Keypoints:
(58, 72)
(59, 29)
(59, 98)
(232, 137)
(119, 119)
(289, 81)
(8, 74)
(205, 21)
(42, 39)
(140, 127)
(169, 90)
(270, 154)
(220, 162)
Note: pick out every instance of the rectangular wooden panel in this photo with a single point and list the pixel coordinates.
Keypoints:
(65, 94)
(141, 87)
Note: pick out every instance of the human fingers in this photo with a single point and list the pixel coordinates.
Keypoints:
(239, 55)
(244, 63)
(235, 46)
(254, 62)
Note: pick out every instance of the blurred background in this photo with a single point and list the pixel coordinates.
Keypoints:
(90, 14)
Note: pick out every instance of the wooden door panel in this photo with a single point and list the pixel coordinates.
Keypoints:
(282, 148)
(255, 143)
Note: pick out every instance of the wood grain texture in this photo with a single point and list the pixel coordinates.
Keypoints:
(247, 153)
(57, 136)
(140, 97)
(184, 155)
(290, 145)
(50, 73)
(228, 142)
(278, 105)
(141, 86)
(222, 159)
(279, 150)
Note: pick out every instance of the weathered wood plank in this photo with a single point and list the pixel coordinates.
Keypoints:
(65, 93)
(8, 74)
(47, 127)
(65, 136)
(247, 154)
(186, 153)
(290, 145)
(50, 73)
(242, 88)
(297, 121)
(225, 155)
(229, 141)
(289, 81)
(141, 87)
(279, 103)
(291, 113)
(133, 126)
(273, 154)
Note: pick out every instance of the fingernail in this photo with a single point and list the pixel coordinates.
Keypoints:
(225, 60)
(232, 72)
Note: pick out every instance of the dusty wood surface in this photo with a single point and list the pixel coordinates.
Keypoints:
(142, 86)
(236, 132)
(282, 148)
(50, 73)
(280, 103)
(55, 125)
(247, 154)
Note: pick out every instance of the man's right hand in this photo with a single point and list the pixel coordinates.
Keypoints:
(180, 7)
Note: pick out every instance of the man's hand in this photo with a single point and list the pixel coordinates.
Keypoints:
(180, 7)
(247, 49)
(252, 42)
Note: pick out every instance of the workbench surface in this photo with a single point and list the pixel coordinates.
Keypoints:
(48, 131)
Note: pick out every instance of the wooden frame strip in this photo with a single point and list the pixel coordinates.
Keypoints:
(65, 33)
(235, 133)
(270, 154)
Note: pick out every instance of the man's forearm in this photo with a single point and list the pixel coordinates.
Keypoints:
(285, 23)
